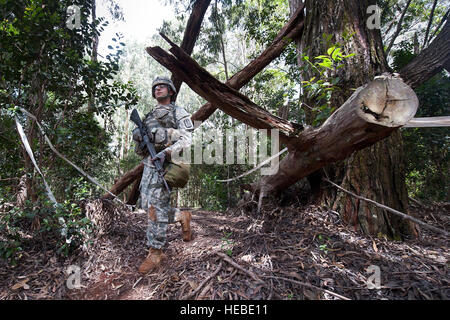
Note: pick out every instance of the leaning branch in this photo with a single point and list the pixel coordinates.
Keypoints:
(226, 98)
(430, 22)
(398, 213)
(292, 30)
(399, 28)
(444, 18)
(430, 61)
(125, 181)
(192, 31)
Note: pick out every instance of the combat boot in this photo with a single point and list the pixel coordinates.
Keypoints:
(184, 217)
(152, 261)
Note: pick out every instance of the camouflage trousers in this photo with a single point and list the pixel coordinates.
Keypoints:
(155, 200)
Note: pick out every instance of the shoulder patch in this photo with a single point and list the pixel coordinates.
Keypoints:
(186, 123)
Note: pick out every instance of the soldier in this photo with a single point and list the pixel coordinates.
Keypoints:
(169, 128)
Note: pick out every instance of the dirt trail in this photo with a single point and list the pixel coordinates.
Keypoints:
(295, 253)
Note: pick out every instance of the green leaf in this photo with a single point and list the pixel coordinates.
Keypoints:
(336, 54)
(326, 63)
(330, 50)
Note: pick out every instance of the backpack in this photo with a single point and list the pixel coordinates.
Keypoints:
(177, 174)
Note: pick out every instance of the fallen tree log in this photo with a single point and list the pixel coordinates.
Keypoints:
(229, 100)
(372, 113)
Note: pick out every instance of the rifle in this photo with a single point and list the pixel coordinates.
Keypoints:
(151, 148)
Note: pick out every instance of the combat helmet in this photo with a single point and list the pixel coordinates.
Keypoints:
(164, 80)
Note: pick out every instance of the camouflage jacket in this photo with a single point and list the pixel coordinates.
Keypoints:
(169, 127)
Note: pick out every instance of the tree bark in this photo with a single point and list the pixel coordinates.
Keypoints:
(430, 61)
(358, 173)
(133, 195)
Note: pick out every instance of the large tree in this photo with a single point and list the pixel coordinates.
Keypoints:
(375, 111)
(49, 67)
(376, 172)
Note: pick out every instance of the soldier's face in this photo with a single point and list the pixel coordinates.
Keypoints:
(161, 91)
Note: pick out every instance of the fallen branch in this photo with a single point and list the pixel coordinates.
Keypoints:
(193, 293)
(234, 264)
(401, 214)
(416, 202)
(309, 286)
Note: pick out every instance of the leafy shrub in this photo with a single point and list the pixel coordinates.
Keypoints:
(62, 227)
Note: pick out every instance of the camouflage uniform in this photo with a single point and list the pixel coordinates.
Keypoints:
(173, 134)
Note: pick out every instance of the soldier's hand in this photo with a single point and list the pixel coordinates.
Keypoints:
(137, 135)
(160, 156)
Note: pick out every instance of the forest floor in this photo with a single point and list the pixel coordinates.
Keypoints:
(294, 253)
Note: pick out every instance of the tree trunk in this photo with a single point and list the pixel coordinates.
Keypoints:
(378, 171)
(94, 54)
(125, 181)
(192, 31)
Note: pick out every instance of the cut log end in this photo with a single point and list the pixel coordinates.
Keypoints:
(387, 101)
